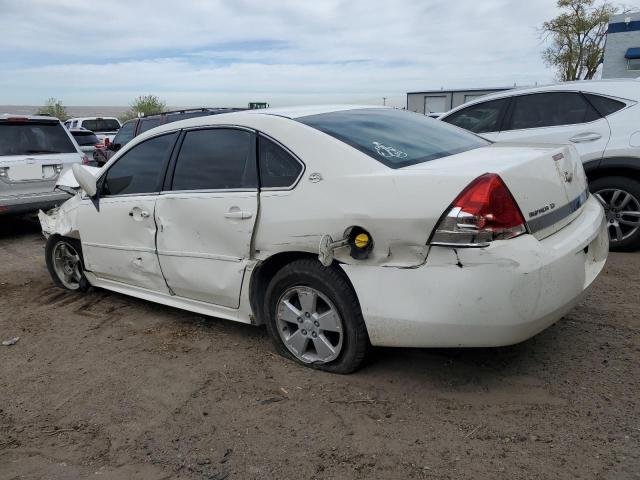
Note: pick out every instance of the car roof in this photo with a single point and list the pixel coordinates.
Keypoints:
(90, 118)
(626, 88)
(306, 110)
(7, 116)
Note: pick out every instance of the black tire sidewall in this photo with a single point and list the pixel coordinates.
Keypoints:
(628, 185)
(332, 284)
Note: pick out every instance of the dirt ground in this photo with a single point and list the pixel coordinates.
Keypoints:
(103, 384)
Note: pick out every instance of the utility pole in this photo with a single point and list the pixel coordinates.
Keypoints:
(384, 100)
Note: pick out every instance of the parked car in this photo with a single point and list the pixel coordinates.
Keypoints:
(601, 118)
(339, 228)
(34, 151)
(103, 127)
(87, 141)
(135, 127)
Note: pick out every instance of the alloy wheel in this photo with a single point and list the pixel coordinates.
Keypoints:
(309, 325)
(67, 265)
(622, 210)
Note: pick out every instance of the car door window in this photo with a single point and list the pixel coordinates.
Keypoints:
(605, 106)
(480, 118)
(220, 158)
(278, 168)
(549, 110)
(125, 134)
(141, 169)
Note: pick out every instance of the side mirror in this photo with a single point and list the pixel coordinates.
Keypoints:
(85, 179)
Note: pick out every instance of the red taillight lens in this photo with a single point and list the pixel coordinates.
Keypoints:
(485, 211)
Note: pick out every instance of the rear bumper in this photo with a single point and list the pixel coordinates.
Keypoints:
(15, 204)
(494, 296)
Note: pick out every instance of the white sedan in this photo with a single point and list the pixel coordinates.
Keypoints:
(339, 228)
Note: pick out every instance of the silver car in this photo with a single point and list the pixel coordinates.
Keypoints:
(34, 152)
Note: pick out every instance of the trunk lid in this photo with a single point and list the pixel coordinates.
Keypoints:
(547, 181)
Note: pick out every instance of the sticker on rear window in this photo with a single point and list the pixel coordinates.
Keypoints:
(388, 152)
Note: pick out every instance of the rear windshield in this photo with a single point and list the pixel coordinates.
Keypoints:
(101, 125)
(34, 138)
(396, 138)
(85, 138)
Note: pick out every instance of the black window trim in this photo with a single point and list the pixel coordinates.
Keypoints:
(295, 182)
(508, 117)
(159, 186)
(171, 168)
(627, 103)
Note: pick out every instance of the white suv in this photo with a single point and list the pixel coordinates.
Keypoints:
(600, 117)
(34, 152)
(103, 127)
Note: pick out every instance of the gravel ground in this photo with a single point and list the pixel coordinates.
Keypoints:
(103, 384)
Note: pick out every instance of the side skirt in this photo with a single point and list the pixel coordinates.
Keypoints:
(242, 315)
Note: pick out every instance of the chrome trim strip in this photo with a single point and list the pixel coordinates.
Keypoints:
(210, 256)
(545, 221)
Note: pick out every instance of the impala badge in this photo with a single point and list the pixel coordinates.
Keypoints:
(568, 177)
(315, 177)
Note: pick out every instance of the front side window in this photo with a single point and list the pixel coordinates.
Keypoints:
(218, 158)
(278, 168)
(396, 138)
(480, 118)
(125, 134)
(141, 169)
(550, 109)
(34, 138)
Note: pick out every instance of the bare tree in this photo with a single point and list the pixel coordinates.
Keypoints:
(577, 37)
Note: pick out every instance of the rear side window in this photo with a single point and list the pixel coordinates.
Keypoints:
(481, 118)
(141, 169)
(148, 124)
(278, 168)
(126, 133)
(219, 158)
(85, 138)
(550, 109)
(101, 125)
(396, 138)
(604, 105)
(33, 138)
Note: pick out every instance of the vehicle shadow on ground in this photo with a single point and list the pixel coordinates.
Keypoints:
(18, 226)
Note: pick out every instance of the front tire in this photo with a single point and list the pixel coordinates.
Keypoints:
(314, 318)
(65, 264)
(620, 197)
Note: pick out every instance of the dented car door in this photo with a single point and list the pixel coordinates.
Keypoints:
(118, 231)
(206, 215)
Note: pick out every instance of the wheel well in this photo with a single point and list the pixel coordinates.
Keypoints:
(266, 270)
(613, 172)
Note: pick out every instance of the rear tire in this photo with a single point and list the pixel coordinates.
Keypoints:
(313, 317)
(65, 263)
(620, 197)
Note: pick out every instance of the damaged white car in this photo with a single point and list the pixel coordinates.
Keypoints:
(339, 228)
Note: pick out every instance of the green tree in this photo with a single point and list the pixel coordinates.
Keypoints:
(145, 105)
(54, 108)
(577, 38)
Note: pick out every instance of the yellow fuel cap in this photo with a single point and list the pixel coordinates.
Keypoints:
(361, 240)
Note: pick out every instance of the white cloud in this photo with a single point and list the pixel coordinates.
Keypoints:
(285, 51)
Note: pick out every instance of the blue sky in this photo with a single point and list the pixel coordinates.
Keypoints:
(284, 52)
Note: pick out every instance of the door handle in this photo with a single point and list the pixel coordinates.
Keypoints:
(235, 212)
(586, 137)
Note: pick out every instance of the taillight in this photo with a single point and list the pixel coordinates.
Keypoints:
(85, 160)
(485, 211)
